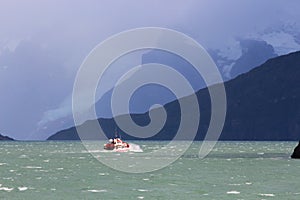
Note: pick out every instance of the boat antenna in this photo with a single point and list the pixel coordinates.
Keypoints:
(116, 132)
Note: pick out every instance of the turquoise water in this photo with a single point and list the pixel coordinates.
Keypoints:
(233, 170)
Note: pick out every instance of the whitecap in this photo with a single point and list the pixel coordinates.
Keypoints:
(267, 195)
(233, 192)
(33, 167)
(143, 190)
(234, 184)
(8, 178)
(96, 191)
(3, 164)
(103, 174)
(140, 197)
(6, 189)
(22, 188)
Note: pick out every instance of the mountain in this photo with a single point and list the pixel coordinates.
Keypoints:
(254, 53)
(5, 137)
(296, 152)
(262, 104)
(150, 94)
(247, 54)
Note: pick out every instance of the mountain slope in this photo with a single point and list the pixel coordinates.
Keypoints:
(2, 137)
(263, 104)
(230, 63)
(253, 53)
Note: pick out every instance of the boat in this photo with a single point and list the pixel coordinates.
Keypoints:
(117, 144)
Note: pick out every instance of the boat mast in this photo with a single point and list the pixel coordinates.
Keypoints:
(116, 133)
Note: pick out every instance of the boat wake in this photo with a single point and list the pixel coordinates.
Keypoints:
(135, 148)
(132, 148)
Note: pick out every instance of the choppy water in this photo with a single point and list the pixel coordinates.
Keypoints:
(234, 170)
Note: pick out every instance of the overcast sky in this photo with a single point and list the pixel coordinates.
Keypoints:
(43, 43)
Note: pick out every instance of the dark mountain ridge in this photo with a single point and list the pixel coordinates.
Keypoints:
(262, 104)
(2, 137)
